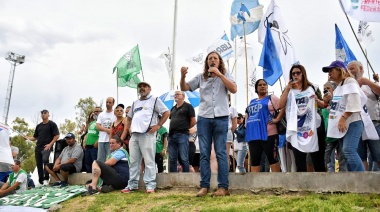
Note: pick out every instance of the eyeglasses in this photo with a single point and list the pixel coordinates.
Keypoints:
(296, 73)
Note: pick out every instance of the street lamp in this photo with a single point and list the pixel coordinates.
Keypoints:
(14, 59)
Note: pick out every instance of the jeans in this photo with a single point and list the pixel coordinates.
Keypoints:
(90, 155)
(142, 145)
(240, 157)
(213, 130)
(179, 145)
(42, 158)
(103, 151)
(373, 146)
(330, 156)
(350, 146)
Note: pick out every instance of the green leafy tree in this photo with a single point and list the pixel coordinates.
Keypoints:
(84, 107)
(26, 148)
(68, 126)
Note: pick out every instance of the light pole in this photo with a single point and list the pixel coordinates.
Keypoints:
(14, 59)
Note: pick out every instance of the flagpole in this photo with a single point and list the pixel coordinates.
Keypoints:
(117, 87)
(174, 42)
(357, 40)
(246, 64)
(233, 67)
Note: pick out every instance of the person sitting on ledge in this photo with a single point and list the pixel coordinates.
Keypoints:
(17, 181)
(68, 162)
(112, 174)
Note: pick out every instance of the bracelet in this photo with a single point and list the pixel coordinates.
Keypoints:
(344, 117)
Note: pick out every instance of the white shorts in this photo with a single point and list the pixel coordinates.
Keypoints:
(229, 136)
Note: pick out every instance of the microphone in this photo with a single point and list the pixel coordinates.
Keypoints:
(209, 73)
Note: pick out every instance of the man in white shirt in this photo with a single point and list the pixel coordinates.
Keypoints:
(103, 124)
(17, 181)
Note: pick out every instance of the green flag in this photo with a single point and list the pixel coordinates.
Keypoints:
(128, 67)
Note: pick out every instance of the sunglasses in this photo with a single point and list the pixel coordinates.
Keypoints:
(296, 73)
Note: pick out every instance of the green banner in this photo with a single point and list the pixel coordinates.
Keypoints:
(128, 67)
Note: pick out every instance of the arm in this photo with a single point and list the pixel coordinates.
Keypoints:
(374, 87)
(183, 84)
(163, 153)
(50, 145)
(163, 119)
(101, 128)
(111, 134)
(128, 124)
(230, 85)
(124, 134)
(70, 161)
(5, 189)
(192, 130)
(234, 124)
(279, 117)
(192, 123)
(111, 161)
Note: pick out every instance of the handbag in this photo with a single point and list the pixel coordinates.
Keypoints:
(281, 125)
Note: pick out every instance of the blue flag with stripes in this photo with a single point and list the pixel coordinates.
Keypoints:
(342, 51)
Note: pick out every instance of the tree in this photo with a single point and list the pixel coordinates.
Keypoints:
(68, 126)
(84, 107)
(26, 148)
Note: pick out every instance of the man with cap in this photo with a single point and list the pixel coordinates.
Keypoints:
(372, 91)
(68, 162)
(17, 181)
(143, 123)
(46, 134)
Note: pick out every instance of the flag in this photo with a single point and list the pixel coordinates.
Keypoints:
(269, 59)
(5, 149)
(128, 67)
(362, 10)
(365, 34)
(342, 51)
(167, 56)
(223, 46)
(247, 11)
(197, 57)
(284, 46)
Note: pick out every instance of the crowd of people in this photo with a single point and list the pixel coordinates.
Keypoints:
(343, 123)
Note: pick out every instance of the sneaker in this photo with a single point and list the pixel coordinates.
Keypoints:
(64, 184)
(90, 192)
(45, 183)
(57, 183)
(128, 190)
(150, 191)
(107, 188)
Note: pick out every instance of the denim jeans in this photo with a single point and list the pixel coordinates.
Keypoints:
(90, 155)
(213, 130)
(330, 156)
(179, 145)
(350, 146)
(373, 146)
(240, 157)
(142, 145)
(103, 151)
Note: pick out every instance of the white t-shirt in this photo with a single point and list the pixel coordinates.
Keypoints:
(106, 120)
(23, 180)
(372, 103)
(233, 114)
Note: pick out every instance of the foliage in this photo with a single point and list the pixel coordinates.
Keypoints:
(171, 200)
(26, 148)
(67, 127)
(84, 107)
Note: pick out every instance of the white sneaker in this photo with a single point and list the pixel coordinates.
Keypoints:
(46, 183)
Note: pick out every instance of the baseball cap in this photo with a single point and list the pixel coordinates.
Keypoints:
(334, 64)
(70, 135)
(44, 111)
(143, 83)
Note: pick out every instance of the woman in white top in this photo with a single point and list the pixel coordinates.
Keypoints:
(345, 120)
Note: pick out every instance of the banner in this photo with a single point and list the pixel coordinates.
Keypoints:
(342, 51)
(198, 57)
(167, 56)
(128, 67)
(284, 46)
(362, 10)
(5, 148)
(365, 34)
(223, 46)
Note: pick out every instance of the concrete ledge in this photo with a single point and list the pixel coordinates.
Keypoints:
(360, 182)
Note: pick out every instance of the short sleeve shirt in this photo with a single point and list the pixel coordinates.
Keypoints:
(74, 151)
(214, 95)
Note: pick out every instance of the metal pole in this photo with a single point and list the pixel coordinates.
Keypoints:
(174, 42)
(9, 92)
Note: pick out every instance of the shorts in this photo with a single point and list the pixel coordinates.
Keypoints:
(230, 136)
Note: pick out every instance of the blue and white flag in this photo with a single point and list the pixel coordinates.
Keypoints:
(223, 46)
(362, 10)
(342, 51)
(284, 46)
(269, 59)
(248, 11)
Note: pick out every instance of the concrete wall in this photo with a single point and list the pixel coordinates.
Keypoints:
(363, 182)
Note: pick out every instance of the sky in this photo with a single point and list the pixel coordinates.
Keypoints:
(71, 47)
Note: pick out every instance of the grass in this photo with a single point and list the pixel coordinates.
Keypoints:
(185, 200)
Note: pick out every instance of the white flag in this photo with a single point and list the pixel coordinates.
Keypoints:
(167, 56)
(223, 46)
(5, 148)
(284, 46)
(365, 34)
(362, 10)
(197, 57)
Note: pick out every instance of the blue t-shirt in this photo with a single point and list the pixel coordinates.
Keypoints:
(257, 121)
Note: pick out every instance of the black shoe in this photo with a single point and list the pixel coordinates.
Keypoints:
(107, 188)
(90, 192)
(57, 183)
(64, 184)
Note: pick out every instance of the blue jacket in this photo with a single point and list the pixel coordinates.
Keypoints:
(240, 133)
